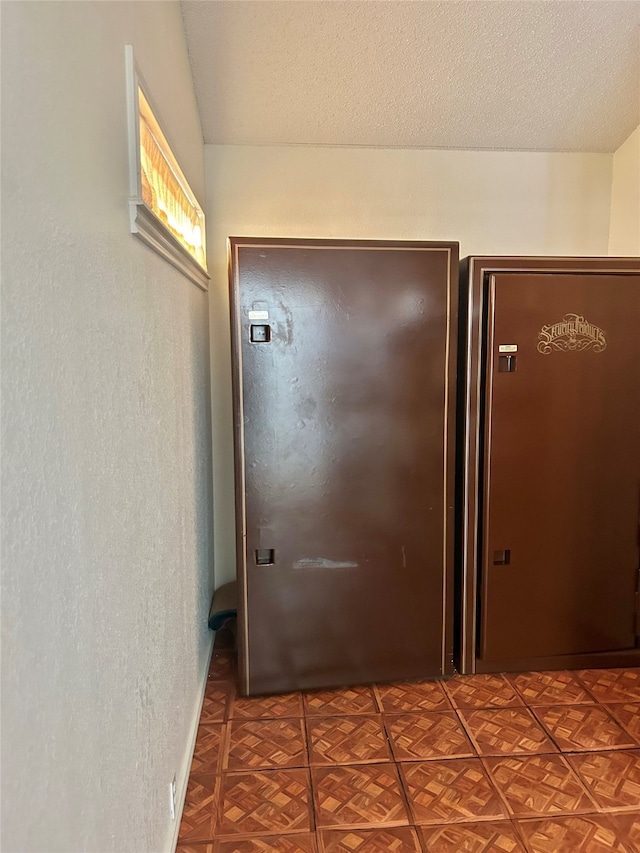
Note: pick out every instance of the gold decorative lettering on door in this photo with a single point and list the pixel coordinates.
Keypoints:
(572, 333)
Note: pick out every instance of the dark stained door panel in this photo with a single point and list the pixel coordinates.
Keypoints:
(558, 465)
(344, 372)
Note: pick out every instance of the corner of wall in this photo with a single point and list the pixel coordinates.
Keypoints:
(624, 224)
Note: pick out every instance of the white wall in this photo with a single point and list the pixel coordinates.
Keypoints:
(624, 236)
(493, 202)
(105, 438)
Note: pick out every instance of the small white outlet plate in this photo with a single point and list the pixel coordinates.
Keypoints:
(172, 798)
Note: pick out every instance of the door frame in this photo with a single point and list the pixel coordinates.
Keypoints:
(475, 273)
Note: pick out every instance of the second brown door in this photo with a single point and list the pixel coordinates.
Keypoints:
(560, 536)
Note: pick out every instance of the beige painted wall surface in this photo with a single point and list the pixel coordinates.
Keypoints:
(105, 438)
(492, 202)
(624, 236)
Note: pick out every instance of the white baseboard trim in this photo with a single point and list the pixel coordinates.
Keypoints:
(183, 781)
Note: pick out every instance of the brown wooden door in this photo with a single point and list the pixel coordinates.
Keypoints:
(345, 448)
(562, 465)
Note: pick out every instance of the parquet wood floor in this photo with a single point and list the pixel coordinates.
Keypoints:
(520, 763)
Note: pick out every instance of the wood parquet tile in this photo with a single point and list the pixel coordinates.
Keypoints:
(348, 700)
(628, 827)
(271, 802)
(208, 749)
(299, 843)
(358, 797)
(262, 744)
(283, 705)
(539, 785)
(412, 697)
(199, 813)
(451, 791)
(550, 688)
(350, 739)
(628, 716)
(223, 667)
(545, 762)
(481, 691)
(215, 705)
(612, 778)
(583, 728)
(401, 839)
(506, 731)
(576, 834)
(612, 685)
(432, 734)
(486, 837)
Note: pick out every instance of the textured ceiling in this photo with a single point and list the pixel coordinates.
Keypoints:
(543, 75)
